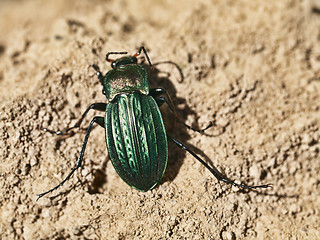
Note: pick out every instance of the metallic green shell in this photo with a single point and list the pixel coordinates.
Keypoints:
(126, 79)
(136, 140)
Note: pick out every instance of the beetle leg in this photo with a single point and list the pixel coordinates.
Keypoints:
(157, 93)
(98, 72)
(95, 106)
(213, 170)
(99, 120)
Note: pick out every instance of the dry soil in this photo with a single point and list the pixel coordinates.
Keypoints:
(250, 67)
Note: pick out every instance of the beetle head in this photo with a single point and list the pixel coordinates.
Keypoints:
(123, 61)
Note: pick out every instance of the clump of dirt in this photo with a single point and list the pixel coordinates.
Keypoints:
(250, 67)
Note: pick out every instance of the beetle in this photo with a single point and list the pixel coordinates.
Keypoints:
(135, 134)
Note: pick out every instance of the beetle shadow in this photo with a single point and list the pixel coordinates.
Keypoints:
(163, 79)
(99, 178)
(176, 155)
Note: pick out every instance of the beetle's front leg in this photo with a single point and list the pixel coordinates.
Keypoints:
(161, 96)
(99, 121)
(95, 106)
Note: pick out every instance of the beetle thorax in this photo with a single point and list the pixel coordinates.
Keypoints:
(126, 79)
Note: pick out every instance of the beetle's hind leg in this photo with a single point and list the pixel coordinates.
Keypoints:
(213, 170)
(161, 96)
(99, 121)
(95, 106)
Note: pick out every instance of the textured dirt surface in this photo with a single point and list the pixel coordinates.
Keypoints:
(251, 67)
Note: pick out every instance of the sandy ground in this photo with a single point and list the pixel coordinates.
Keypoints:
(252, 67)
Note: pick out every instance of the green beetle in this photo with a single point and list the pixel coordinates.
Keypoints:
(135, 134)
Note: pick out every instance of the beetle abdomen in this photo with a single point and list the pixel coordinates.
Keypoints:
(136, 140)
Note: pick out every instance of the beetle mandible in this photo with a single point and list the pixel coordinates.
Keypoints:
(135, 134)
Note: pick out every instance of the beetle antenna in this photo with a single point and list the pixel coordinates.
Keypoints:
(109, 53)
(145, 53)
